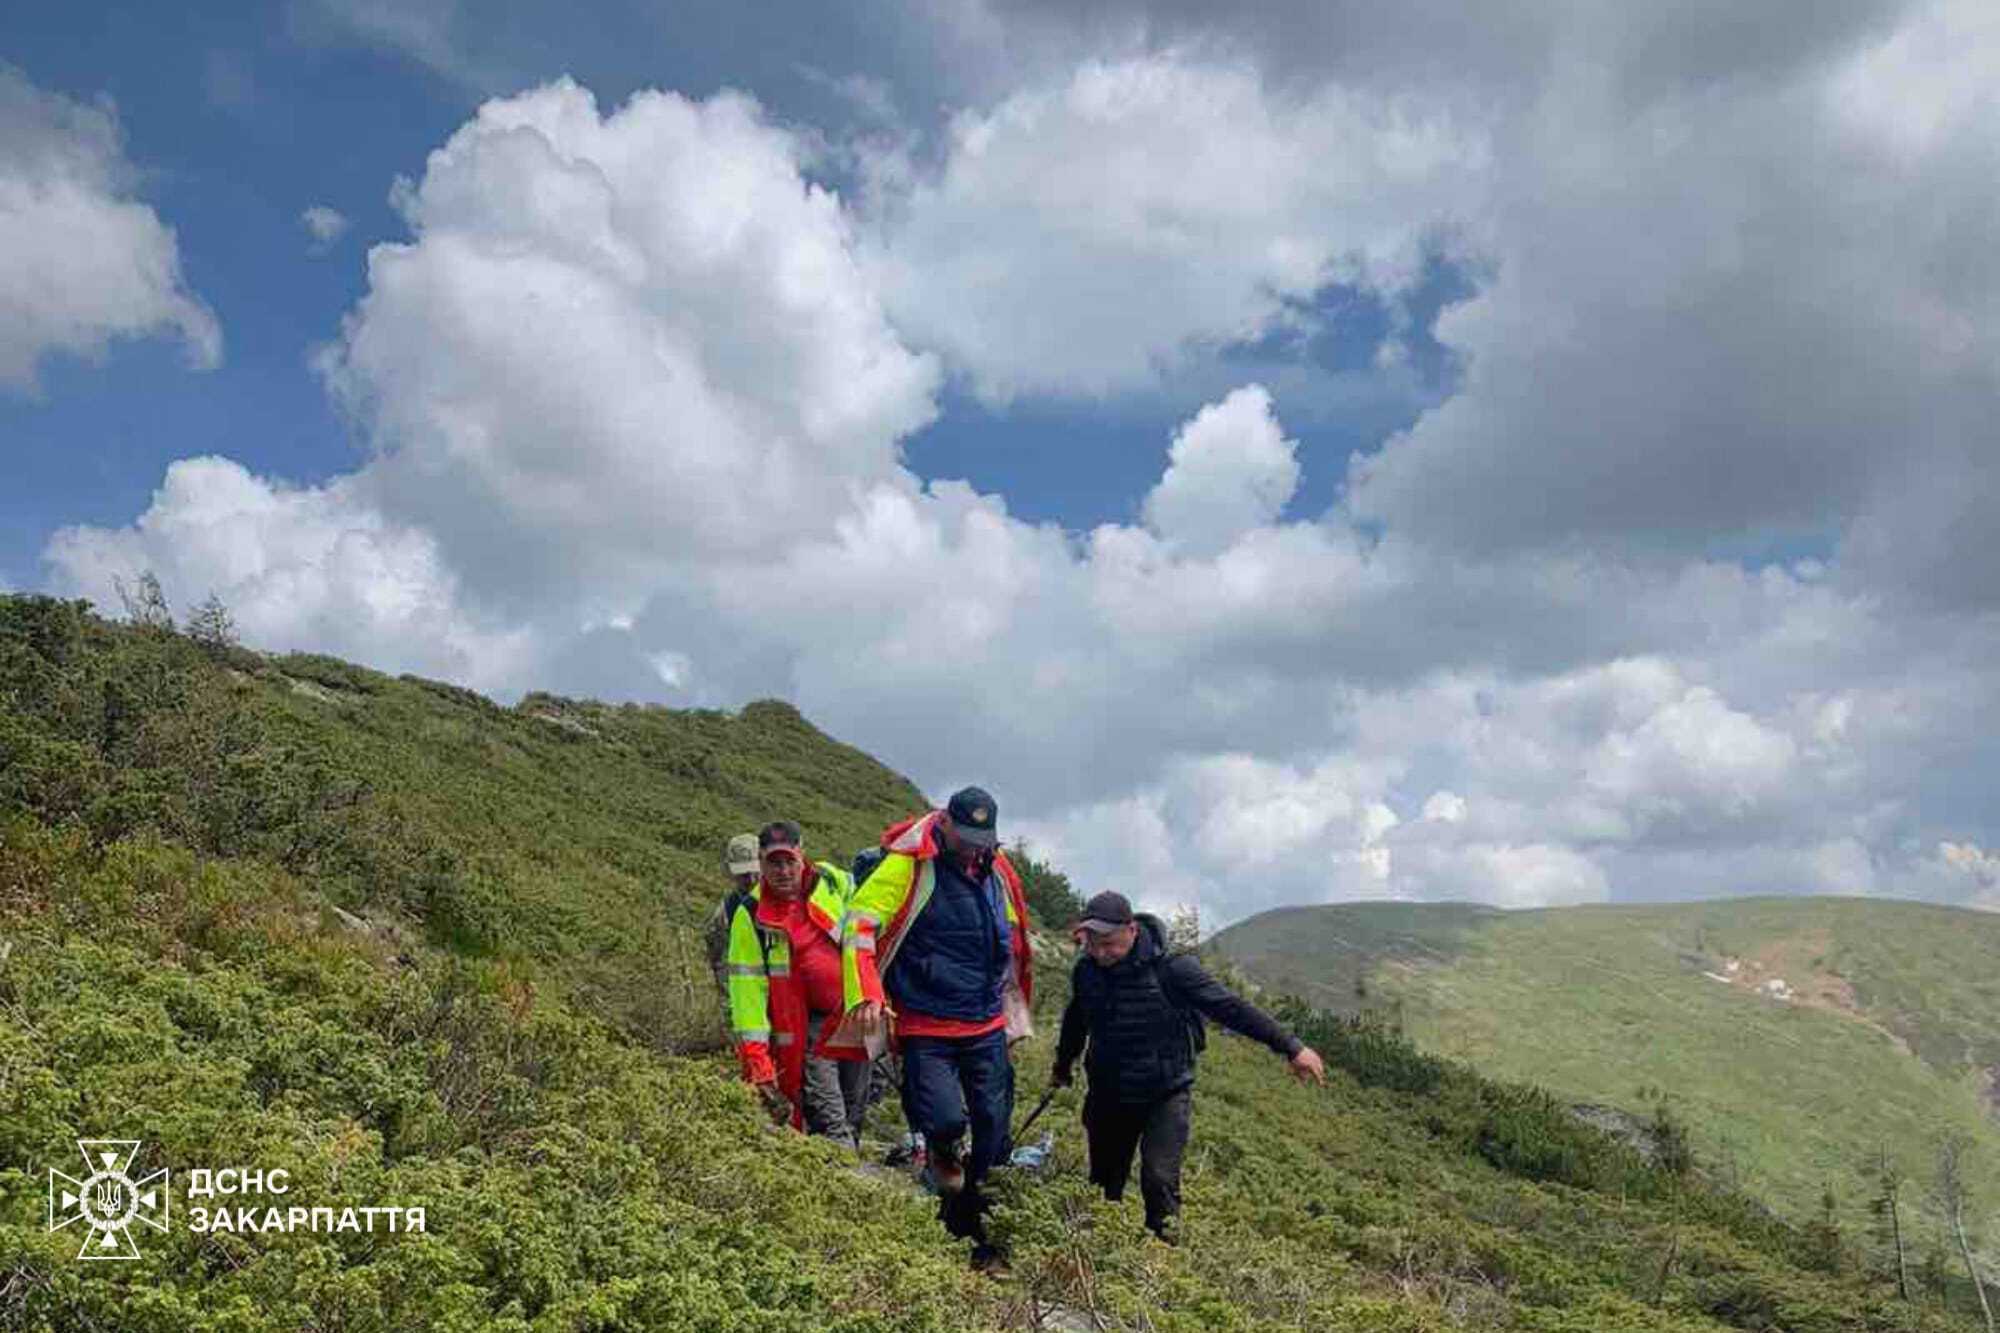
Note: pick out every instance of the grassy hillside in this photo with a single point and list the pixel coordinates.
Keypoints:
(574, 833)
(418, 949)
(1889, 1035)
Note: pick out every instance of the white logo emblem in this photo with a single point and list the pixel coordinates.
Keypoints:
(107, 1200)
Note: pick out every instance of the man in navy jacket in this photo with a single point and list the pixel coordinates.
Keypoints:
(1139, 1007)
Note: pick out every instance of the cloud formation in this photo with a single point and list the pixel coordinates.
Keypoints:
(616, 345)
(1677, 595)
(1229, 471)
(1087, 237)
(301, 569)
(82, 261)
(324, 226)
(1700, 326)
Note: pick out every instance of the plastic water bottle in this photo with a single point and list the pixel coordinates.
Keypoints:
(1033, 1156)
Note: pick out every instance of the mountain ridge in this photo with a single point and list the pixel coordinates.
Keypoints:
(1875, 1013)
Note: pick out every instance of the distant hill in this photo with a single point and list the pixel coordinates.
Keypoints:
(416, 948)
(1796, 1035)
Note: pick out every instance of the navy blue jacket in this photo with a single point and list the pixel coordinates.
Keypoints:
(954, 958)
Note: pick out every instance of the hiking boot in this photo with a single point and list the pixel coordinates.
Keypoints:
(947, 1172)
(987, 1259)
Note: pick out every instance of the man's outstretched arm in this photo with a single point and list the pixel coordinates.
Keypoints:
(1193, 984)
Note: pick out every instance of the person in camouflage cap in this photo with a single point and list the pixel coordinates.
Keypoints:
(740, 861)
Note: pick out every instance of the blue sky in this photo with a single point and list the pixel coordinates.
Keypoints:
(315, 124)
(242, 117)
(1479, 454)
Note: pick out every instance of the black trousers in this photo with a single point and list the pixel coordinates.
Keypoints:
(1159, 1130)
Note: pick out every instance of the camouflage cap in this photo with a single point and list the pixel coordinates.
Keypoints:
(740, 856)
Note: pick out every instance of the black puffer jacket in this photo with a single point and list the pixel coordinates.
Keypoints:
(1139, 1017)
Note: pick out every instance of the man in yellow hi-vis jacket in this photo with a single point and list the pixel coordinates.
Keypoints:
(940, 929)
(785, 992)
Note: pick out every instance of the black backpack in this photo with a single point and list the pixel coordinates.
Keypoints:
(1191, 1019)
(725, 920)
(865, 862)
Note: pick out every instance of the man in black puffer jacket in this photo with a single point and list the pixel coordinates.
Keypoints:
(1141, 1008)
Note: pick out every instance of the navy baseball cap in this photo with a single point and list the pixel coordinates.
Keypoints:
(974, 816)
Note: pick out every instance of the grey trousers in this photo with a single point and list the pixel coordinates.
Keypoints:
(835, 1093)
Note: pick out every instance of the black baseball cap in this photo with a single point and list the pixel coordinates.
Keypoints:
(1106, 912)
(974, 816)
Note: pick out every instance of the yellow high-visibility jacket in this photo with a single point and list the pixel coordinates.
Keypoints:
(767, 1007)
(895, 894)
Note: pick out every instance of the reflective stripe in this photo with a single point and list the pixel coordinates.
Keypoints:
(863, 933)
(861, 927)
(745, 970)
(754, 1034)
(1003, 869)
(830, 895)
(913, 907)
(913, 836)
(784, 1039)
(780, 970)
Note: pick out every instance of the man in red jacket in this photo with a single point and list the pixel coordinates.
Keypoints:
(785, 988)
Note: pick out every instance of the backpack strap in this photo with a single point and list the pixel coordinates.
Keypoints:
(1191, 1019)
(740, 899)
(864, 864)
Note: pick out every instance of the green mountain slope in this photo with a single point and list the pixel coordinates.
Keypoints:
(1886, 1035)
(416, 949)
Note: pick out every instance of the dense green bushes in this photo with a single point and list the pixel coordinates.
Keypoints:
(1051, 901)
(568, 1182)
(419, 950)
(580, 835)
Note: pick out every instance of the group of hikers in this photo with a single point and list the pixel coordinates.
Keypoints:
(917, 958)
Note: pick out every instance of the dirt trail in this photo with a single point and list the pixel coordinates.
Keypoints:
(1802, 963)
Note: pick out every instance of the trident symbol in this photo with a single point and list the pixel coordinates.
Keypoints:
(107, 1201)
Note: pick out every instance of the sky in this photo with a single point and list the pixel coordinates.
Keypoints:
(1535, 454)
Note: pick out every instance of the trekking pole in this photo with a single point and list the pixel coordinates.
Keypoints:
(1040, 1107)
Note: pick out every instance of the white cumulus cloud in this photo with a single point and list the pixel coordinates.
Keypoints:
(1230, 471)
(1087, 236)
(324, 226)
(82, 260)
(299, 569)
(634, 390)
(617, 342)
